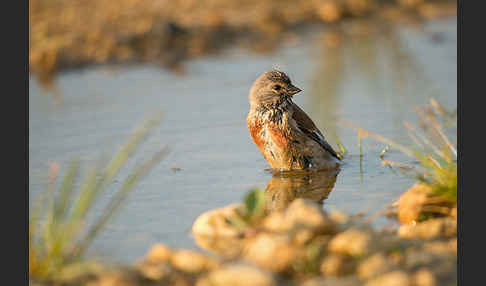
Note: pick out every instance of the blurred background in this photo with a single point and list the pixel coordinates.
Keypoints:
(98, 67)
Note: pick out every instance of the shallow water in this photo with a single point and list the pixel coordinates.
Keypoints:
(372, 81)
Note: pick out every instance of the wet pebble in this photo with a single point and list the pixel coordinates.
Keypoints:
(237, 274)
(432, 228)
(337, 265)
(394, 278)
(159, 252)
(301, 213)
(424, 277)
(192, 262)
(214, 222)
(373, 266)
(271, 251)
(352, 242)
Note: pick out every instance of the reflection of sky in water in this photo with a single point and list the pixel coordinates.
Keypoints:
(371, 81)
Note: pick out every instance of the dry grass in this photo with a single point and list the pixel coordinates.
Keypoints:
(435, 152)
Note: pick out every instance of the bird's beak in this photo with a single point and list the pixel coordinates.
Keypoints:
(293, 90)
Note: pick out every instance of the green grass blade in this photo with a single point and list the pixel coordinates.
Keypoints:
(117, 201)
(114, 166)
(61, 203)
(342, 150)
(254, 204)
(86, 195)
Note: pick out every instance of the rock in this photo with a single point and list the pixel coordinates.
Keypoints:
(424, 277)
(339, 217)
(416, 258)
(113, 278)
(337, 265)
(271, 251)
(302, 213)
(276, 222)
(328, 11)
(432, 228)
(410, 3)
(410, 204)
(334, 281)
(192, 262)
(453, 213)
(396, 258)
(153, 270)
(442, 247)
(394, 278)
(352, 242)
(237, 274)
(158, 253)
(228, 247)
(310, 214)
(302, 236)
(214, 222)
(373, 266)
(358, 7)
(420, 200)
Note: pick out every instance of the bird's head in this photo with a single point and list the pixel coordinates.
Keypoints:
(271, 89)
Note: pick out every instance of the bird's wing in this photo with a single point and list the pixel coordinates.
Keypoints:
(305, 124)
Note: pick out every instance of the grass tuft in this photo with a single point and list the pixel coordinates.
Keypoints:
(58, 232)
(435, 153)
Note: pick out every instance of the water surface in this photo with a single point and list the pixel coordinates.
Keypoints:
(373, 79)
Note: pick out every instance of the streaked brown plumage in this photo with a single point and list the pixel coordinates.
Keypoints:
(284, 133)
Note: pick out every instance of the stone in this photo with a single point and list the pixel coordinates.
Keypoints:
(158, 253)
(300, 213)
(410, 204)
(113, 278)
(303, 236)
(276, 222)
(270, 251)
(237, 274)
(429, 229)
(453, 213)
(373, 266)
(417, 257)
(214, 222)
(332, 281)
(339, 216)
(307, 213)
(394, 278)
(337, 265)
(192, 261)
(352, 242)
(442, 247)
(424, 277)
(420, 200)
(228, 247)
(154, 270)
(328, 11)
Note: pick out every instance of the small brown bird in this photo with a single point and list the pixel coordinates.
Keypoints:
(284, 133)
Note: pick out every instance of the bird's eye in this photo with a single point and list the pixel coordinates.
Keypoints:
(277, 87)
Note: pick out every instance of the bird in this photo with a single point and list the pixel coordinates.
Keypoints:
(285, 135)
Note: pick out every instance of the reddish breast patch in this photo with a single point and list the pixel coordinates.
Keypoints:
(255, 129)
(278, 136)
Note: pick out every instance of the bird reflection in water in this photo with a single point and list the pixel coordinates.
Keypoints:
(281, 190)
(284, 187)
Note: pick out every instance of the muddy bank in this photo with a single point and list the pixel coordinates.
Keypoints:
(69, 34)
